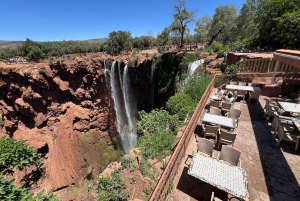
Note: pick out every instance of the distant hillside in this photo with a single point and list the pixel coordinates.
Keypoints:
(11, 44)
(4, 43)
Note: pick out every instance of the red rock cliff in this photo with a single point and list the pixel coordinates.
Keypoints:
(52, 107)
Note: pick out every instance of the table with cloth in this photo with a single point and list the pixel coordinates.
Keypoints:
(220, 174)
(290, 107)
(242, 88)
(219, 120)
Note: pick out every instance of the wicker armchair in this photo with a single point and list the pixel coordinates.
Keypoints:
(210, 131)
(242, 84)
(254, 95)
(251, 85)
(225, 107)
(227, 138)
(215, 104)
(215, 111)
(230, 155)
(241, 94)
(287, 136)
(205, 146)
(236, 114)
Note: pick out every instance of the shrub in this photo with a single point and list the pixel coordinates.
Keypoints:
(16, 154)
(231, 70)
(188, 58)
(156, 121)
(181, 105)
(112, 188)
(220, 80)
(156, 144)
(196, 85)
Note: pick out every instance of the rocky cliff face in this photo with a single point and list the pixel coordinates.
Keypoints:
(65, 111)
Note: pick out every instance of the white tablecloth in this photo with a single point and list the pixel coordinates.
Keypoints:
(219, 120)
(290, 107)
(229, 178)
(243, 88)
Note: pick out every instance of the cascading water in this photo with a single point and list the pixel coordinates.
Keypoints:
(193, 66)
(124, 105)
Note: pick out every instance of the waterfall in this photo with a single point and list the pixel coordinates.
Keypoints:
(193, 66)
(124, 105)
(126, 96)
(120, 76)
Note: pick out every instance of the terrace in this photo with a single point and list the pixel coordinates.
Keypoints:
(273, 172)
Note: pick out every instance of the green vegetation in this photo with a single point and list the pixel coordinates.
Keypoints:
(167, 68)
(181, 105)
(188, 58)
(112, 188)
(148, 191)
(220, 80)
(182, 17)
(15, 154)
(231, 70)
(197, 85)
(156, 144)
(155, 121)
(86, 135)
(132, 180)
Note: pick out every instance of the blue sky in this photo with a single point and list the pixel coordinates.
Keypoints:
(54, 20)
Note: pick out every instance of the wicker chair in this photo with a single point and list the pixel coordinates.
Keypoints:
(254, 95)
(230, 155)
(242, 84)
(225, 107)
(271, 111)
(251, 84)
(286, 136)
(226, 138)
(210, 131)
(241, 94)
(216, 111)
(286, 122)
(205, 146)
(233, 83)
(236, 114)
(215, 104)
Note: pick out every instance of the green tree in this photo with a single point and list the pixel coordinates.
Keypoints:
(223, 24)
(202, 28)
(120, 40)
(164, 37)
(278, 24)
(246, 28)
(182, 18)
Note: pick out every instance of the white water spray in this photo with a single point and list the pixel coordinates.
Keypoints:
(124, 105)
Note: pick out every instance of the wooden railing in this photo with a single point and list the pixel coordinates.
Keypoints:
(161, 189)
(266, 65)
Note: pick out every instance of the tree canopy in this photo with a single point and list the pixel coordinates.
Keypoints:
(182, 17)
(278, 24)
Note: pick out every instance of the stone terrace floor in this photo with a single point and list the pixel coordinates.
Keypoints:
(273, 172)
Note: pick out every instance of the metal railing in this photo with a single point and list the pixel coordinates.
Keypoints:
(161, 189)
(265, 66)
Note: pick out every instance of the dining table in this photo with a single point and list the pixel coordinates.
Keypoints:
(219, 120)
(220, 174)
(242, 88)
(290, 107)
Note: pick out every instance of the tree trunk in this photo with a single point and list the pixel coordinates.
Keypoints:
(213, 38)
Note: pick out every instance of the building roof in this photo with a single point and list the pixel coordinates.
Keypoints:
(290, 57)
